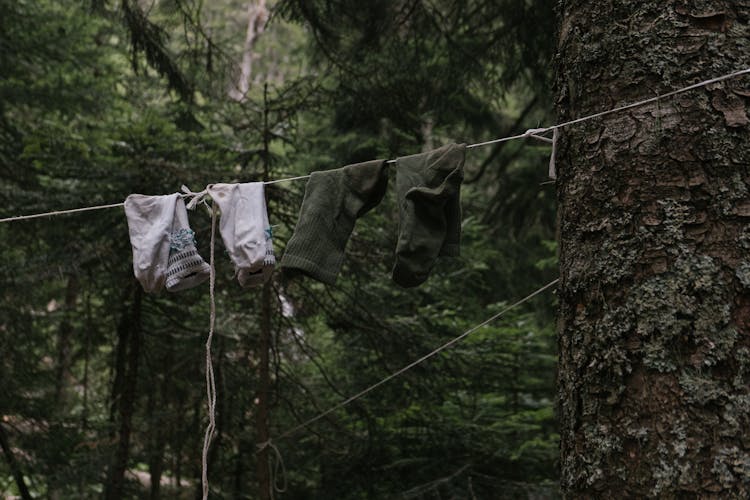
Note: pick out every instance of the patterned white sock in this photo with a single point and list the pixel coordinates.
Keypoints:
(186, 268)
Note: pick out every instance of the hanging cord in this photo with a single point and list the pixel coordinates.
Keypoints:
(552, 173)
(210, 383)
(552, 170)
(277, 467)
(411, 365)
(535, 132)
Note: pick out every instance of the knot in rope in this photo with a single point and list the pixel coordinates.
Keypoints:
(195, 197)
(535, 133)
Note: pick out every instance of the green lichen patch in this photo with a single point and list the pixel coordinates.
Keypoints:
(744, 237)
(743, 273)
(730, 193)
(671, 468)
(701, 389)
(602, 443)
(678, 322)
(732, 468)
(685, 303)
(742, 372)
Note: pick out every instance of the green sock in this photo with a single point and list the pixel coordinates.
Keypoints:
(428, 189)
(333, 200)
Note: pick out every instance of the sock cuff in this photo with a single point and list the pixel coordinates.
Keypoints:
(440, 170)
(367, 183)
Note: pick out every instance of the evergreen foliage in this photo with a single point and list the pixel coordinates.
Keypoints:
(102, 386)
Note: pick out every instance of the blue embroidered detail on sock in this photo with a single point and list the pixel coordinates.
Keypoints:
(181, 239)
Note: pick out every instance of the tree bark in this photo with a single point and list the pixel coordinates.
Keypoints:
(654, 208)
(157, 443)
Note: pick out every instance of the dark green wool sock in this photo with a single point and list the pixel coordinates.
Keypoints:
(334, 199)
(428, 189)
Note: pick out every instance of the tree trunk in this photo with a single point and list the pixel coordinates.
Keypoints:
(13, 465)
(124, 395)
(64, 335)
(86, 355)
(158, 423)
(654, 325)
(262, 433)
(264, 391)
(157, 443)
(257, 14)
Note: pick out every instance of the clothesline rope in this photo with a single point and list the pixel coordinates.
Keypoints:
(529, 133)
(618, 109)
(411, 365)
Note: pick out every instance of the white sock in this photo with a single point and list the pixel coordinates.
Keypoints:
(163, 246)
(149, 225)
(245, 230)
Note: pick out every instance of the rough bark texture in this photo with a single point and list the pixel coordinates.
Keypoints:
(654, 326)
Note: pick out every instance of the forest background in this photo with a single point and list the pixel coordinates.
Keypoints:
(102, 387)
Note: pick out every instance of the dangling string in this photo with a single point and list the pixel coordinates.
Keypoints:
(552, 168)
(278, 465)
(534, 133)
(210, 383)
(195, 197)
